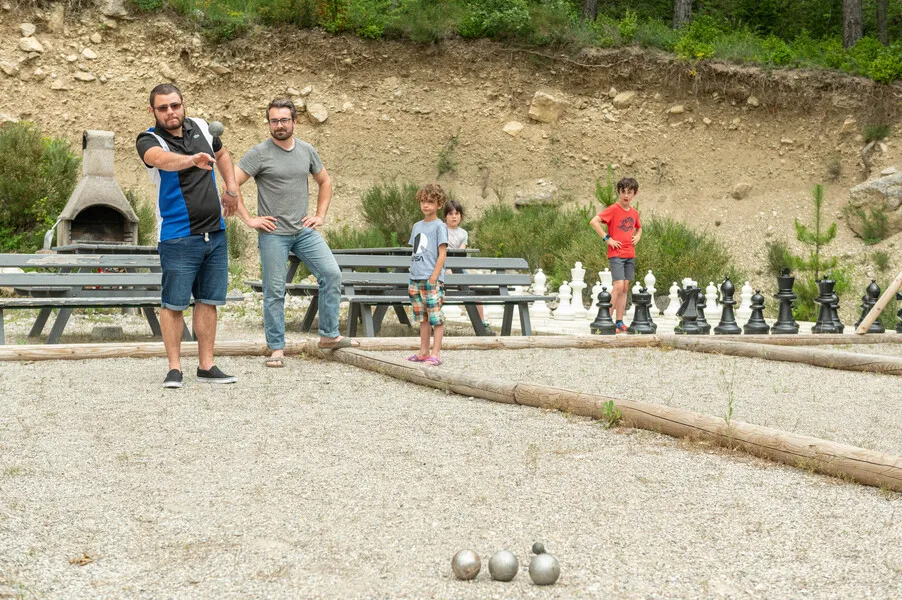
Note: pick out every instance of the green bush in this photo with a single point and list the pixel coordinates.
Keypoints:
(874, 132)
(147, 217)
(628, 26)
(495, 18)
(874, 223)
(392, 209)
(555, 23)
(887, 67)
(779, 257)
(778, 52)
(864, 52)
(37, 176)
(303, 13)
(606, 194)
(237, 237)
(881, 260)
(147, 5)
(653, 33)
(351, 237)
(555, 239)
(425, 21)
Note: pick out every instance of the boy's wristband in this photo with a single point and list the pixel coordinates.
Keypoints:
(606, 237)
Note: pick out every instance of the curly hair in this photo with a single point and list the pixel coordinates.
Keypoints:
(433, 193)
(627, 183)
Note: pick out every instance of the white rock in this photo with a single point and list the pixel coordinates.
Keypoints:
(89, 54)
(82, 76)
(39, 74)
(5, 118)
(167, 72)
(677, 109)
(27, 29)
(512, 128)
(6, 6)
(317, 113)
(59, 85)
(113, 8)
(612, 93)
(625, 99)
(30, 44)
(306, 91)
(849, 126)
(889, 171)
(706, 121)
(545, 108)
(292, 92)
(219, 69)
(741, 191)
(72, 58)
(96, 38)
(787, 141)
(753, 102)
(9, 68)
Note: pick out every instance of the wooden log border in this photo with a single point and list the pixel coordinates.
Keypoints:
(840, 460)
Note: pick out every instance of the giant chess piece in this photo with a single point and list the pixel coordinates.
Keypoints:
(650, 281)
(539, 308)
(593, 308)
(744, 310)
(578, 284)
(606, 279)
(704, 328)
(642, 322)
(899, 313)
(871, 295)
(785, 322)
(825, 322)
(603, 323)
(673, 301)
(834, 311)
(630, 312)
(756, 323)
(564, 310)
(727, 324)
(688, 312)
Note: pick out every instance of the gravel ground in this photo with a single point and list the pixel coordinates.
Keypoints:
(361, 486)
(861, 409)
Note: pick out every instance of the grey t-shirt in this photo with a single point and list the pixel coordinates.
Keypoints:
(426, 237)
(458, 237)
(281, 177)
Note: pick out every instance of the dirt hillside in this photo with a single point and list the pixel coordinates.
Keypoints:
(689, 135)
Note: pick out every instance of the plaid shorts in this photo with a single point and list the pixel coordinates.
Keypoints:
(427, 300)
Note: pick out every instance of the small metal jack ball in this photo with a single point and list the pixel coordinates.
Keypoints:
(216, 128)
(544, 569)
(503, 566)
(466, 564)
(538, 548)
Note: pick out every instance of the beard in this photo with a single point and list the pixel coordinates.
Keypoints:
(164, 126)
(283, 134)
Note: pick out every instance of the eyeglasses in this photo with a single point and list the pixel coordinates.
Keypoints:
(283, 121)
(174, 106)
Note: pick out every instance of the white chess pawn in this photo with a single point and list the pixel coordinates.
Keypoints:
(578, 284)
(593, 308)
(673, 301)
(564, 310)
(632, 309)
(650, 281)
(744, 311)
(606, 279)
(539, 308)
(710, 297)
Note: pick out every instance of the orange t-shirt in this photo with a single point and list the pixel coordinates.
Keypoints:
(622, 225)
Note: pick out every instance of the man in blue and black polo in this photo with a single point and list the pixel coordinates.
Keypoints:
(179, 154)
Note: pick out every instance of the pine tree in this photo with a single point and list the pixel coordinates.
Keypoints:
(817, 237)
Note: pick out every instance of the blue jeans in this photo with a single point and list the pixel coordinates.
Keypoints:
(311, 248)
(194, 265)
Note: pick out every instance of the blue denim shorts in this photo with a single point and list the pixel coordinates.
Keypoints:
(195, 265)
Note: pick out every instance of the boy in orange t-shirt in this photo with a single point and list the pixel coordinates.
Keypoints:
(623, 232)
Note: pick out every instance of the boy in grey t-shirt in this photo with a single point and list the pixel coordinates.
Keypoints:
(429, 239)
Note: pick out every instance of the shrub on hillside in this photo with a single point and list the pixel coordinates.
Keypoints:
(391, 209)
(425, 21)
(37, 175)
(495, 18)
(887, 67)
(147, 217)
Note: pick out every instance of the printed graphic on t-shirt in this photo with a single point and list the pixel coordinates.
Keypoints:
(626, 225)
(420, 244)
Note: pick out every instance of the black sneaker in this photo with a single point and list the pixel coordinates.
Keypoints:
(173, 379)
(214, 375)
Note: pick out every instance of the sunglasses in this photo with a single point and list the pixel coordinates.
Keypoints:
(174, 106)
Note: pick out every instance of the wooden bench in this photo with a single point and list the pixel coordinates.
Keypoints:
(68, 281)
(371, 294)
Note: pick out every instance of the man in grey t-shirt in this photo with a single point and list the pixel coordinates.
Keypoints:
(280, 167)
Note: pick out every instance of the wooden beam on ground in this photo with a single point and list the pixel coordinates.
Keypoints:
(802, 339)
(831, 359)
(865, 466)
(239, 348)
(880, 305)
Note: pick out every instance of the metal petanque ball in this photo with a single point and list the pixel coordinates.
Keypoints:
(216, 128)
(544, 569)
(466, 564)
(538, 548)
(503, 566)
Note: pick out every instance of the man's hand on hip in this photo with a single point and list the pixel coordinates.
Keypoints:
(262, 223)
(312, 222)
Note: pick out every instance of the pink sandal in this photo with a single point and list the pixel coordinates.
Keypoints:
(433, 361)
(418, 358)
